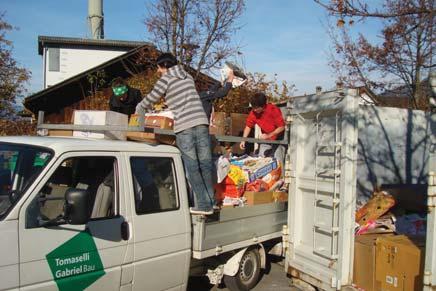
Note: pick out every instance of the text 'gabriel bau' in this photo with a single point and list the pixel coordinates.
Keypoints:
(76, 269)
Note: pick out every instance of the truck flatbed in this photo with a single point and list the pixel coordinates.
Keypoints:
(236, 228)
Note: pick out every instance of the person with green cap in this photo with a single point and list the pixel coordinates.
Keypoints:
(124, 98)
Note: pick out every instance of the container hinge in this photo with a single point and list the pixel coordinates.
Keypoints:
(427, 278)
(334, 282)
(432, 178)
(431, 200)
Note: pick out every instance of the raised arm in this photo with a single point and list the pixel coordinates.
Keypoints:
(159, 90)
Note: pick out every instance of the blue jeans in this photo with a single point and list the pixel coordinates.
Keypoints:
(194, 143)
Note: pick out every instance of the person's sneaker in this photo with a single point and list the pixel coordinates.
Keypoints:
(194, 210)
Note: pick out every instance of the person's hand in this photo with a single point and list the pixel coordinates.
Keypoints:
(242, 145)
(264, 136)
(230, 76)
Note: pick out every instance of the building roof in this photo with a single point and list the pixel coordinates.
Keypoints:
(55, 41)
(75, 88)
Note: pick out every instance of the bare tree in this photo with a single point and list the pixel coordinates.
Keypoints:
(197, 32)
(12, 76)
(360, 8)
(402, 58)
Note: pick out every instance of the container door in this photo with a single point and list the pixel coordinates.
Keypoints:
(430, 251)
(55, 255)
(323, 152)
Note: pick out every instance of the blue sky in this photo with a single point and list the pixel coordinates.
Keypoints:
(283, 37)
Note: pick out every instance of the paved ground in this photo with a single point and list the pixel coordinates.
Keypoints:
(274, 279)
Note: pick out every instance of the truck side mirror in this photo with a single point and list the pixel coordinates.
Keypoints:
(77, 206)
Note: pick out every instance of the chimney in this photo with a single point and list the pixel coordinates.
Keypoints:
(318, 90)
(95, 18)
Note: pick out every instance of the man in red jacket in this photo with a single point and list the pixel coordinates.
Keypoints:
(270, 120)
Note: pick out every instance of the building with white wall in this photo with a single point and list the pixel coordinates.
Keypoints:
(65, 57)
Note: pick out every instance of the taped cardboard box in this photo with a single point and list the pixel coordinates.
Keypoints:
(400, 263)
(98, 117)
(254, 198)
(152, 121)
(364, 261)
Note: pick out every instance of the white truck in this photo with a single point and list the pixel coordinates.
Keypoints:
(79, 214)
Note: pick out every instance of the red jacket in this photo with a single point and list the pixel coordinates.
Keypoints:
(268, 120)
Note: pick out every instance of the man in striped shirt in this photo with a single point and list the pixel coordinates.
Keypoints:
(190, 126)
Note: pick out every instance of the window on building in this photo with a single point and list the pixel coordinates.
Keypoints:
(154, 184)
(96, 175)
(54, 60)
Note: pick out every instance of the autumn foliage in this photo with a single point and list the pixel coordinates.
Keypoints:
(399, 61)
(12, 76)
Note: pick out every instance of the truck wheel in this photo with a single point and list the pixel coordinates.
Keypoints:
(248, 273)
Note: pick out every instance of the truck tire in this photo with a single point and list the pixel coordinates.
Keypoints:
(248, 274)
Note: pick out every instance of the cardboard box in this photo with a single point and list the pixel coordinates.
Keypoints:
(152, 121)
(218, 126)
(237, 125)
(399, 263)
(56, 132)
(254, 198)
(95, 117)
(218, 123)
(364, 261)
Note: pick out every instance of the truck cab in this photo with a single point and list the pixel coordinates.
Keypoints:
(77, 212)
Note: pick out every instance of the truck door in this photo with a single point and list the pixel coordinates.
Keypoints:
(323, 188)
(430, 248)
(161, 222)
(55, 255)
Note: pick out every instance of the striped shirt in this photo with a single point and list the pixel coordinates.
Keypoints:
(180, 96)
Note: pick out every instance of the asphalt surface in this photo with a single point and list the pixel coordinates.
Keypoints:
(273, 279)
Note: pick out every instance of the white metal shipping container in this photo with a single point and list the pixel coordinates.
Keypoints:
(339, 151)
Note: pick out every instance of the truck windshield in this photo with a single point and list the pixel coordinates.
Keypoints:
(20, 165)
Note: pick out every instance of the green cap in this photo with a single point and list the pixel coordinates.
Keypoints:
(120, 90)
